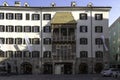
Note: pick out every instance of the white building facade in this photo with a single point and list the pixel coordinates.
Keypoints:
(54, 40)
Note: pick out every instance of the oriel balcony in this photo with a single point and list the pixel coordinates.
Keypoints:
(63, 38)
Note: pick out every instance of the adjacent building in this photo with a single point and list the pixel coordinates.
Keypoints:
(54, 40)
(114, 31)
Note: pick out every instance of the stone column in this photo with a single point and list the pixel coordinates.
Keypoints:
(73, 69)
(53, 65)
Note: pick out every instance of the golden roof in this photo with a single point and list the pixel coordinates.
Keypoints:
(63, 18)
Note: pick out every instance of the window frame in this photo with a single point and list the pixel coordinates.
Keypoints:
(17, 29)
(99, 54)
(10, 53)
(3, 40)
(83, 29)
(98, 41)
(35, 29)
(46, 16)
(47, 29)
(9, 28)
(35, 54)
(2, 53)
(98, 16)
(17, 41)
(18, 16)
(98, 29)
(47, 54)
(47, 41)
(35, 42)
(83, 54)
(35, 17)
(9, 40)
(18, 54)
(26, 54)
(1, 15)
(26, 29)
(83, 41)
(9, 16)
(27, 16)
(2, 28)
(83, 16)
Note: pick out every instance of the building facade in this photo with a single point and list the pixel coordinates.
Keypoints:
(54, 40)
(114, 43)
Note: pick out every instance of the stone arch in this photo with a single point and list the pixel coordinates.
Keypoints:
(26, 68)
(47, 68)
(98, 67)
(83, 68)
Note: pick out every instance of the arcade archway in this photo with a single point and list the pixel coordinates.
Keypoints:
(98, 67)
(26, 68)
(83, 68)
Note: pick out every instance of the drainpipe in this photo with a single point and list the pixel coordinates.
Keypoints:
(41, 33)
(92, 59)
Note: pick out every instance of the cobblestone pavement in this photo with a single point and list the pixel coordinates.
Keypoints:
(57, 77)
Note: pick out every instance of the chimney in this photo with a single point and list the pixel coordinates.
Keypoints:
(17, 3)
(53, 4)
(90, 4)
(26, 4)
(5, 4)
(73, 4)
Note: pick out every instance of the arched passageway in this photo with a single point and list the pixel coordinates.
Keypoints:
(83, 68)
(26, 68)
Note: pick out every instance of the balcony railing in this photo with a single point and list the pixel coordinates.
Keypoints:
(63, 38)
(69, 57)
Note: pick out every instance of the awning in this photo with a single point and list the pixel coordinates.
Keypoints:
(63, 18)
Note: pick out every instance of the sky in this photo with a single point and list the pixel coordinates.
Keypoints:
(114, 12)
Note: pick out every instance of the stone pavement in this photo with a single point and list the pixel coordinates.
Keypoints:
(57, 77)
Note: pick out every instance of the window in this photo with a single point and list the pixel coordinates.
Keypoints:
(35, 17)
(47, 54)
(35, 41)
(47, 29)
(9, 41)
(64, 31)
(18, 54)
(83, 28)
(47, 16)
(2, 40)
(71, 31)
(28, 41)
(27, 28)
(83, 54)
(9, 28)
(18, 40)
(9, 16)
(26, 54)
(35, 28)
(47, 41)
(98, 29)
(83, 41)
(1, 53)
(18, 16)
(98, 41)
(18, 28)
(35, 54)
(98, 16)
(27, 16)
(2, 28)
(83, 16)
(10, 53)
(99, 54)
(1, 15)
